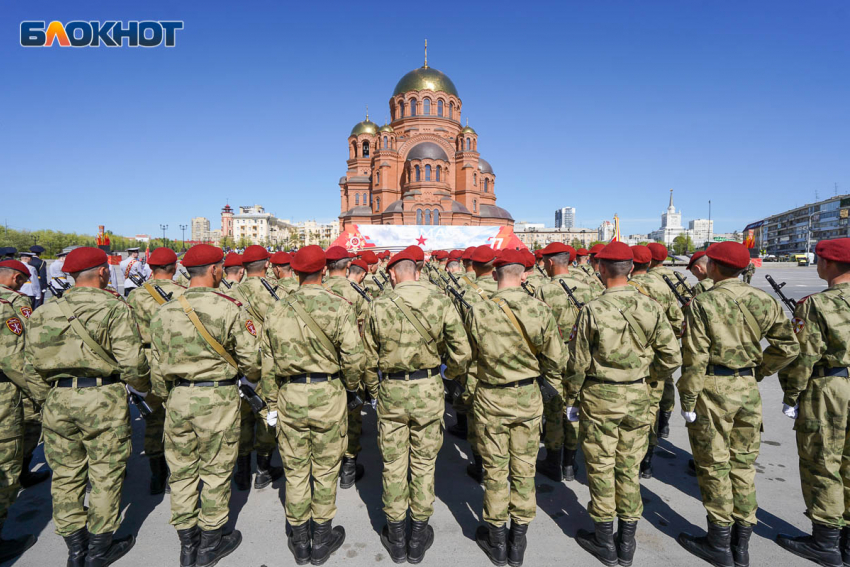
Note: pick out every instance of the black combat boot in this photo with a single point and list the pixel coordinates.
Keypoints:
(266, 473)
(550, 467)
(392, 536)
(190, 540)
(494, 542)
(350, 472)
(78, 547)
(600, 543)
(741, 544)
(517, 543)
(646, 463)
(10, 548)
(215, 545)
(844, 544)
(714, 547)
(461, 426)
(105, 550)
(299, 543)
(569, 466)
(159, 474)
(475, 469)
(821, 547)
(29, 478)
(421, 539)
(664, 424)
(242, 478)
(326, 540)
(626, 544)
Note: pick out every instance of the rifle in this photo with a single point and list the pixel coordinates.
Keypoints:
(453, 389)
(547, 390)
(791, 304)
(269, 289)
(58, 287)
(445, 280)
(380, 285)
(454, 279)
(539, 269)
(256, 402)
(675, 291)
(136, 280)
(227, 284)
(161, 292)
(361, 291)
(526, 287)
(384, 276)
(459, 297)
(684, 283)
(353, 399)
(185, 274)
(572, 297)
(144, 409)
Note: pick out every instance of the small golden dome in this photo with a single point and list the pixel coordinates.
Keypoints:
(365, 127)
(468, 130)
(386, 128)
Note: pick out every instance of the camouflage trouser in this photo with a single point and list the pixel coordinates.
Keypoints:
(656, 389)
(725, 440)
(154, 427)
(254, 433)
(11, 446)
(558, 431)
(615, 420)
(463, 405)
(668, 398)
(311, 433)
(201, 445)
(410, 434)
(32, 427)
(87, 437)
(508, 422)
(355, 428)
(823, 444)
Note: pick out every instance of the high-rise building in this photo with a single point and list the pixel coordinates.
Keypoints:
(701, 231)
(565, 217)
(256, 226)
(798, 231)
(200, 229)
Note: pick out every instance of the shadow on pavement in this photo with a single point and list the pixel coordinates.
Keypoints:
(559, 501)
(462, 496)
(32, 511)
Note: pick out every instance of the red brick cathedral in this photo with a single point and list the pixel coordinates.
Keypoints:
(424, 167)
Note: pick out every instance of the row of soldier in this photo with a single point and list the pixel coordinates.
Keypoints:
(594, 352)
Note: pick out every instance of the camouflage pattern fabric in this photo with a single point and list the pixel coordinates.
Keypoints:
(705, 285)
(410, 412)
(369, 283)
(20, 302)
(255, 298)
(12, 337)
(726, 435)
(229, 291)
(254, 433)
(822, 325)
(286, 286)
(748, 274)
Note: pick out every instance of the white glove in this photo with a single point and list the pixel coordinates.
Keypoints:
(271, 418)
(572, 413)
(142, 395)
(790, 411)
(374, 403)
(690, 416)
(248, 383)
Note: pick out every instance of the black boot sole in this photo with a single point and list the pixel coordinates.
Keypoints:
(589, 548)
(646, 474)
(328, 556)
(798, 554)
(260, 484)
(297, 561)
(705, 558)
(493, 561)
(126, 551)
(388, 547)
(222, 556)
(424, 551)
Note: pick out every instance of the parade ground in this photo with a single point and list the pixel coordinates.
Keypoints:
(671, 499)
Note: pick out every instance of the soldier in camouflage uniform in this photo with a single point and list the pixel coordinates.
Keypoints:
(748, 274)
(515, 340)
(536, 276)
(373, 282)
(145, 302)
(233, 273)
(81, 351)
(408, 331)
(560, 434)
(338, 261)
(312, 354)
(286, 281)
(817, 395)
(723, 363)
(619, 340)
(696, 266)
(182, 275)
(13, 385)
(255, 434)
(202, 342)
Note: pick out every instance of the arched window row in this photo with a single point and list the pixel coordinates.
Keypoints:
(411, 107)
(428, 217)
(486, 185)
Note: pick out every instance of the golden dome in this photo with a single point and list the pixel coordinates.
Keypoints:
(425, 78)
(468, 130)
(386, 128)
(365, 127)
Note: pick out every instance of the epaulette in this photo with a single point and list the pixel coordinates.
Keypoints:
(18, 292)
(178, 285)
(802, 299)
(115, 293)
(336, 294)
(227, 297)
(4, 301)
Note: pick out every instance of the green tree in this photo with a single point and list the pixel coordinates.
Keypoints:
(576, 243)
(595, 242)
(643, 243)
(683, 244)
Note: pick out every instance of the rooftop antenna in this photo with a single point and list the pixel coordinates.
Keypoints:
(836, 189)
(367, 112)
(426, 54)
(817, 198)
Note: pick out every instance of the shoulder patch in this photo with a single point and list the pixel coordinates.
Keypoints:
(26, 311)
(15, 325)
(573, 333)
(227, 297)
(251, 328)
(798, 324)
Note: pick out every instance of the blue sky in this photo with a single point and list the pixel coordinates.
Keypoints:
(604, 106)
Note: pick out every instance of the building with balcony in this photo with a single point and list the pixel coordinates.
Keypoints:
(253, 225)
(798, 230)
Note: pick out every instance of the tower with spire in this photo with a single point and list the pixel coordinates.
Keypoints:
(671, 219)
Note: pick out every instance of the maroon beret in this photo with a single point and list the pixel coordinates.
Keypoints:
(281, 258)
(615, 252)
(557, 248)
(201, 255)
(335, 253)
(83, 258)
(233, 260)
(162, 257)
(538, 254)
(732, 254)
(482, 254)
(369, 257)
(361, 264)
(19, 266)
(401, 256)
(254, 253)
(440, 254)
(582, 252)
(455, 254)
(416, 253)
(642, 254)
(837, 250)
(659, 251)
(509, 256)
(309, 259)
(467, 253)
(595, 249)
(694, 258)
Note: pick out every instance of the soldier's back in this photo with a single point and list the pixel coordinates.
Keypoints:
(145, 304)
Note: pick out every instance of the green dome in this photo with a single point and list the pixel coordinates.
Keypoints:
(425, 78)
(365, 127)
(386, 128)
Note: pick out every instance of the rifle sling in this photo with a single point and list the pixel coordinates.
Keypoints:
(313, 326)
(426, 333)
(156, 296)
(515, 322)
(478, 290)
(83, 334)
(636, 329)
(748, 316)
(216, 346)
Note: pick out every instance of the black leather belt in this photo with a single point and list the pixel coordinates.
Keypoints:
(615, 383)
(85, 382)
(517, 384)
(415, 375)
(720, 370)
(207, 384)
(308, 378)
(821, 371)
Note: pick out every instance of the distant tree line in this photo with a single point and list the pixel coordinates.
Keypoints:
(54, 241)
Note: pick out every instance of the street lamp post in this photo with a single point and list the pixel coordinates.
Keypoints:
(183, 229)
(163, 227)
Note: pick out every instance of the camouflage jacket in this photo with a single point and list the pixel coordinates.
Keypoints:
(565, 311)
(341, 285)
(502, 354)
(591, 279)
(535, 280)
(180, 352)
(658, 290)
(393, 344)
(486, 284)
(287, 286)
(145, 306)
(12, 337)
(604, 345)
(270, 277)
(20, 302)
(228, 288)
(290, 347)
(370, 284)
(705, 285)
(716, 332)
(822, 324)
(255, 298)
(54, 350)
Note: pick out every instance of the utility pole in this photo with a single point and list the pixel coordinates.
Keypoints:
(163, 227)
(183, 228)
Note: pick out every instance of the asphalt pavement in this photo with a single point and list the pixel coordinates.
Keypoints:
(671, 499)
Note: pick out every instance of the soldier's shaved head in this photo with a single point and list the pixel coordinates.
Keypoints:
(12, 278)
